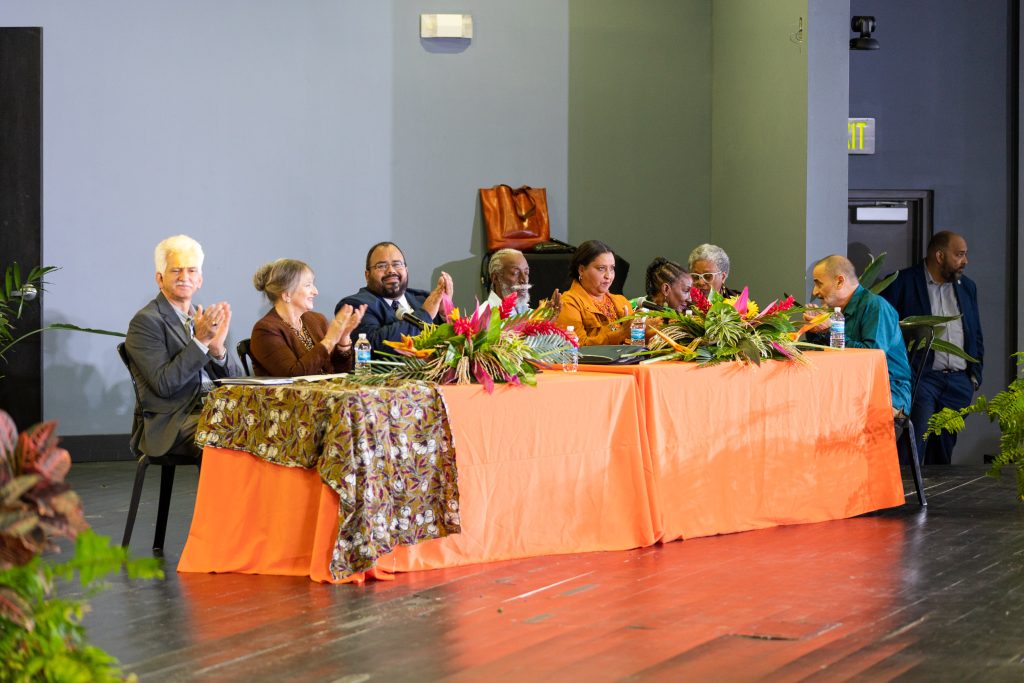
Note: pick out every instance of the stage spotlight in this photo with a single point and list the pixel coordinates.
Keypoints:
(864, 26)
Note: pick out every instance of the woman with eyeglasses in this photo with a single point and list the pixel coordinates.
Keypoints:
(709, 266)
(588, 305)
(668, 286)
(292, 339)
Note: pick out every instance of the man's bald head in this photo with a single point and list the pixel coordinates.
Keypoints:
(835, 280)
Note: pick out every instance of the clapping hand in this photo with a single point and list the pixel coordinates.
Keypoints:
(211, 326)
(444, 287)
(340, 330)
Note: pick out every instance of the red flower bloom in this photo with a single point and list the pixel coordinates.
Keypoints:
(508, 306)
(699, 300)
(532, 328)
(778, 307)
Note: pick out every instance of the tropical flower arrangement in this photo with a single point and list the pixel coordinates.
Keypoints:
(719, 329)
(489, 346)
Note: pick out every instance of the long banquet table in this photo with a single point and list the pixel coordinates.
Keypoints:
(738, 447)
(611, 458)
(562, 467)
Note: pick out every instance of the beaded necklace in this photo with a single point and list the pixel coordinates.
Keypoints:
(303, 335)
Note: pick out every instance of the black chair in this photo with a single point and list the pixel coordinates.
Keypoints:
(167, 463)
(242, 348)
(918, 339)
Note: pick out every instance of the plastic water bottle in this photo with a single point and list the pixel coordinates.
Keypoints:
(638, 329)
(571, 361)
(363, 353)
(837, 329)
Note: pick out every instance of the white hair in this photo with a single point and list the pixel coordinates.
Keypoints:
(710, 252)
(179, 244)
(497, 261)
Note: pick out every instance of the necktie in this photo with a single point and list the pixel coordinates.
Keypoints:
(394, 308)
(190, 327)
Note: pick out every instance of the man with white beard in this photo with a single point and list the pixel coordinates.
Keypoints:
(510, 273)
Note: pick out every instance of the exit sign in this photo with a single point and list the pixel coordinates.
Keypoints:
(860, 136)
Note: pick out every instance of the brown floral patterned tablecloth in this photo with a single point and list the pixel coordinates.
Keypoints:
(386, 450)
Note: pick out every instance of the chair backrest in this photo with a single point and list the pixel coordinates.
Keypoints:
(242, 348)
(122, 353)
(918, 339)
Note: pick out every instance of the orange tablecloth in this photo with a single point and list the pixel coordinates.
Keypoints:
(738, 447)
(559, 468)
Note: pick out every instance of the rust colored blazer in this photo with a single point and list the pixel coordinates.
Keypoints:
(593, 327)
(278, 352)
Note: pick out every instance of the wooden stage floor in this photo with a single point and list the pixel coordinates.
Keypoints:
(902, 594)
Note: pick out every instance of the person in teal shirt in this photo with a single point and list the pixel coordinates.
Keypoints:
(871, 321)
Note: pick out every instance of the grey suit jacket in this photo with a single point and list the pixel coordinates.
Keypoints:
(166, 366)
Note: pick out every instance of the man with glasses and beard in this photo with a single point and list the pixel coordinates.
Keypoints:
(392, 309)
(938, 286)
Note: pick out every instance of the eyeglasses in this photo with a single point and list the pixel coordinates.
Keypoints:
(384, 265)
(706, 277)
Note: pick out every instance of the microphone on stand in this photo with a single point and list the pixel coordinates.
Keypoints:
(406, 315)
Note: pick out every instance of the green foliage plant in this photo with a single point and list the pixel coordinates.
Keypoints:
(13, 295)
(1006, 408)
(41, 634)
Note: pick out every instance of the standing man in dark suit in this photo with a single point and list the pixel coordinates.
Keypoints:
(175, 350)
(937, 286)
(387, 293)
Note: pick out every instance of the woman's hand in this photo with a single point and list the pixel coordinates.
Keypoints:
(340, 330)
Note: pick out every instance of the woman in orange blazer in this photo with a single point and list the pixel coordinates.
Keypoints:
(292, 339)
(588, 305)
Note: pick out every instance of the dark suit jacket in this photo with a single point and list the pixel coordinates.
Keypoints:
(909, 296)
(166, 366)
(277, 351)
(379, 321)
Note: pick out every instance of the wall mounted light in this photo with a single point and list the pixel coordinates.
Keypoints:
(446, 26)
(864, 26)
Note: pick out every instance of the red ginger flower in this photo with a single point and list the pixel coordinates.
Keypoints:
(532, 328)
(699, 300)
(508, 306)
(779, 307)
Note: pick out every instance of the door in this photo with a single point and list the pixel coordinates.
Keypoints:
(897, 223)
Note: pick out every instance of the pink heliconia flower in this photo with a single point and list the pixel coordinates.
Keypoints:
(741, 302)
(446, 307)
(484, 377)
(781, 349)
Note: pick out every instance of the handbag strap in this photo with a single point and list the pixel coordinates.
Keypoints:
(525, 189)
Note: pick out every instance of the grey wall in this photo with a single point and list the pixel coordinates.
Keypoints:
(472, 114)
(307, 128)
(640, 128)
(938, 91)
(760, 143)
(828, 101)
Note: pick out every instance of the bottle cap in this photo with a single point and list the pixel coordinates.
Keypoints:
(362, 335)
(837, 309)
(570, 328)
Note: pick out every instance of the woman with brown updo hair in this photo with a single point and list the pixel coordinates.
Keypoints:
(292, 339)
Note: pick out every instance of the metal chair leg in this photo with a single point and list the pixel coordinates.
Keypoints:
(915, 465)
(133, 507)
(166, 485)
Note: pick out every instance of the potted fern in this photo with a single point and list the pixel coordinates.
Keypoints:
(1006, 408)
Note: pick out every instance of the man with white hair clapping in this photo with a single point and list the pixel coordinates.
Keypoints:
(175, 350)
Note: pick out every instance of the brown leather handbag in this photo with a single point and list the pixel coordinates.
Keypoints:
(515, 218)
